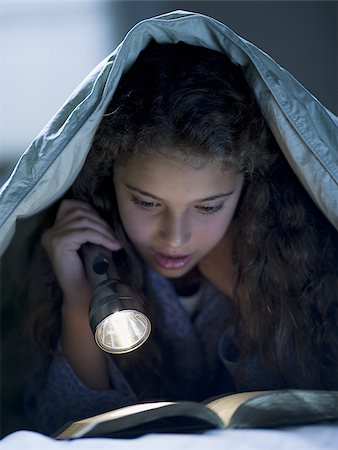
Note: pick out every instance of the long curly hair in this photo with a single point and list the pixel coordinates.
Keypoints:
(193, 103)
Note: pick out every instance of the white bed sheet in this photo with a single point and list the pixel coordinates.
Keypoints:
(312, 437)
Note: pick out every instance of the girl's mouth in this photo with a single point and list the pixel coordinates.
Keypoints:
(171, 262)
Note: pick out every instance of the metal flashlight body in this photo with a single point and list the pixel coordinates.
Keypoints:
(116, 312)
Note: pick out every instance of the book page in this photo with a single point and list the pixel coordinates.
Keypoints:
(226, 406)
(280, 408)
(276, 408)
(81, 427)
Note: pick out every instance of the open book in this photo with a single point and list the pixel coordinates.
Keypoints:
(259, 409)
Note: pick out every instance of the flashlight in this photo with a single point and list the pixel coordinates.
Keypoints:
(116, 312)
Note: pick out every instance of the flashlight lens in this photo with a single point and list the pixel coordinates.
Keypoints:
(122, 331)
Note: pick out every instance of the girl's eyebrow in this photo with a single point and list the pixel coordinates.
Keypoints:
(212, 197)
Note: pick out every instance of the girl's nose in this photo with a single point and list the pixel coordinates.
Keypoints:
(175, 231)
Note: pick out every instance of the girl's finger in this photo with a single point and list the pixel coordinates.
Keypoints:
(75, 214)
(57, 242)
(69, 205)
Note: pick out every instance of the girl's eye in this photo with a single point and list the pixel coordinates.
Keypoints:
(144, 204)
(210, 209)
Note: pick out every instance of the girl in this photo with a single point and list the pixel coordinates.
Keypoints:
(187, 187)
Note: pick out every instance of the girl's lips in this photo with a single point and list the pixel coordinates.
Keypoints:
(171, 262)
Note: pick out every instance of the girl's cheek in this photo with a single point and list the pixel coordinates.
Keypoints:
(136, 227)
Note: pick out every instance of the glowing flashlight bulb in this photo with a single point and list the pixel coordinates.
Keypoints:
(122, 331)
(116, 313)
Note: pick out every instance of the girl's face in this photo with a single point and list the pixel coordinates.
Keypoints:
(173, 213)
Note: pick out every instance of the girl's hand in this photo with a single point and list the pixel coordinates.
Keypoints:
(76, 223)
